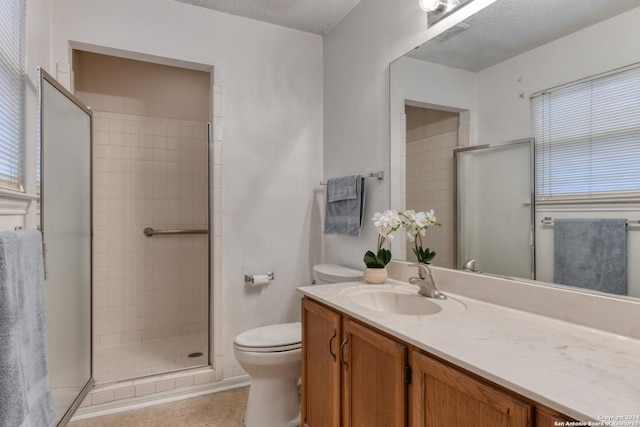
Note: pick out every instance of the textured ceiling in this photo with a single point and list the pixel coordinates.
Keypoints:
(510, 27)
(313, 16)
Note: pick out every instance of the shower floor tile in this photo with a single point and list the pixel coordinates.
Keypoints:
(149, 358)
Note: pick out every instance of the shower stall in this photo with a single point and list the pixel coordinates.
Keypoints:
(150, 172)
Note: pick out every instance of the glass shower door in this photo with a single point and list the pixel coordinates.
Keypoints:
(495, 205)
(65, 222)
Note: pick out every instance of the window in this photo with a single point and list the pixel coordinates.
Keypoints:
(12, 59)
(588, 138)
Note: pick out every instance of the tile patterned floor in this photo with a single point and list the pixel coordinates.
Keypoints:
(150, 358)
(224, 409)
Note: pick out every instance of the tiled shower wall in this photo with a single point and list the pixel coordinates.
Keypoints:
(149, 172)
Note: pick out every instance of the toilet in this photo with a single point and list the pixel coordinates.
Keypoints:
(272, 357)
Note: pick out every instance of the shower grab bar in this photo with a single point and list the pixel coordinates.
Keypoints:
(151, 232)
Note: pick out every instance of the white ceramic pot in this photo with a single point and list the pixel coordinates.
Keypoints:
(375, 276)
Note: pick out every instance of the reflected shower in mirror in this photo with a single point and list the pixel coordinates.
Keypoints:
(495, 214)
(489, 71)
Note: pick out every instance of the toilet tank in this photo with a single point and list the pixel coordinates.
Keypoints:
(333, 273)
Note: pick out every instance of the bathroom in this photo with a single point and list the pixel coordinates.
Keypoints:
(291, 109)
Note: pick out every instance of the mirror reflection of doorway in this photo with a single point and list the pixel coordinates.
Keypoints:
(432, 135)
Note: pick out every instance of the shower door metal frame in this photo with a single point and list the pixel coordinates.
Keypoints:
(532, 197)
(210, 165)
(45, 77)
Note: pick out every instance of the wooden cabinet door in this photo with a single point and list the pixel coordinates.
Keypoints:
(373, 376)
(321, 332)
(444, 396)
(548, 418)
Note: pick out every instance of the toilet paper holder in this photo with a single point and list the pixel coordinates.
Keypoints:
(249, 277)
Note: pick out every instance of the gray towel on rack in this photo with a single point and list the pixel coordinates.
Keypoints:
(591, 254)
(344, 208)
(25, 397)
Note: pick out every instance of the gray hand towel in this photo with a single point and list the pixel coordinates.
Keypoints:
(344, 208)
(25, 397)
(591, 253)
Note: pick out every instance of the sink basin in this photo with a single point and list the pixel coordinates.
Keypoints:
(402, 300)
(396, 303)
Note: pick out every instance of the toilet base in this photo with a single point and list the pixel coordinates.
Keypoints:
(273, 403)
(272, 357)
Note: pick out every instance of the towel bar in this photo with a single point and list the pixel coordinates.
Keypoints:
(379, 175)
(547, 221)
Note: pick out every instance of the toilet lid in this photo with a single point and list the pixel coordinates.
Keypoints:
(286, 336)
(336, 273)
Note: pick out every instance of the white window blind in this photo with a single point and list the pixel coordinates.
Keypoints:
(588, 138)
(12, 58)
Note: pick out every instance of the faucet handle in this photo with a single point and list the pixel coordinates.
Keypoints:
(470, 265)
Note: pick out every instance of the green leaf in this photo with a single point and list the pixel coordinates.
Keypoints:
(384, 255)
(378, 260)
(372, 261)
(424, 255)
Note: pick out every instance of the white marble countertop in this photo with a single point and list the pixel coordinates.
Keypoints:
(585, 373)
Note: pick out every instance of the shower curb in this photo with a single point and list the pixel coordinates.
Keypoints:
(158, 397)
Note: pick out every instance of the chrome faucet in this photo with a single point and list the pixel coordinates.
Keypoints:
(470, 265)
(425, 282)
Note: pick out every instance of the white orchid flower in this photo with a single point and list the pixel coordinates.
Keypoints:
(416, 225)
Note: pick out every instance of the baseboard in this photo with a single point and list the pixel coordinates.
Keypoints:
(160, 398)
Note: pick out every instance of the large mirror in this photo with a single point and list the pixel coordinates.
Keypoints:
(473, 85)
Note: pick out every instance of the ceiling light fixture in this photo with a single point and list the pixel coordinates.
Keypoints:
(438, 9)
(432, 5)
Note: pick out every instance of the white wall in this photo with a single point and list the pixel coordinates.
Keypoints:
(272, 136)
(357, 53)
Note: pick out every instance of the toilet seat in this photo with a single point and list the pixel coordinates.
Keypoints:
(270, 339)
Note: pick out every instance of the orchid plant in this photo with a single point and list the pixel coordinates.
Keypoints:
(386, 223)
(390, 221)
(416, 224)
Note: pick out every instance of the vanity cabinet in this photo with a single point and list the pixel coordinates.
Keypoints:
(445, 396)
(351, 374)
(321, 334)
(546, 417)
(356, 376)
(374, 369)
